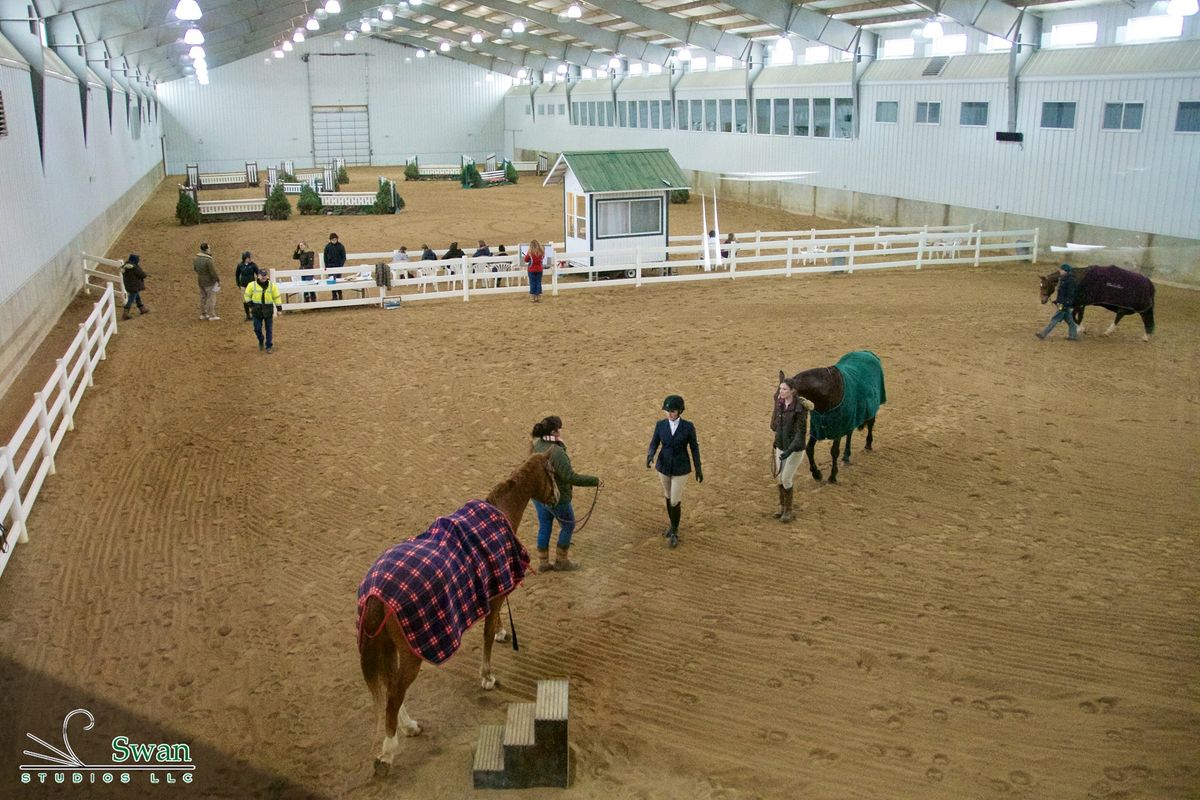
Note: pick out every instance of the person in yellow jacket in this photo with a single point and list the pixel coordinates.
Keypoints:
(263, 297)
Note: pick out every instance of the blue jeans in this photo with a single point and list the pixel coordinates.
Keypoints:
(535, 283)
(565, 515)
(134, 297)
(259, 324)
(1059, 316)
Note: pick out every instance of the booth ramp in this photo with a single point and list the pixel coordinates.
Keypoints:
(530, 748)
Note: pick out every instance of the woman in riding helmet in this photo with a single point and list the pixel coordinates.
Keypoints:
(675, 436)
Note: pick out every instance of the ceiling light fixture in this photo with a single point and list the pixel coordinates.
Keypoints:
(298, 36)
(518, 26)
(349, 37)
(287, 46)
(386, 14)
(193, 36)
(196, 52)
(614, 63)
(932, 30)
(420, 54)
(364, 26)
(188, 10)
(333, 7)
(444, 47)
(277, 53)
(476, 38)
(312, 24)
(574, 11)
(522, 74)
(561, 69)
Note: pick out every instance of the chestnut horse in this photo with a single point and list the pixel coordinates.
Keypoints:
(387, 645)
(1121, 291)
(843, 397)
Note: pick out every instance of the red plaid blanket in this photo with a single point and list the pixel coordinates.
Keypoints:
(442, 582)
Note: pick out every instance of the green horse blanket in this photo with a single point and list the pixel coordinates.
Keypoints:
(863, 394)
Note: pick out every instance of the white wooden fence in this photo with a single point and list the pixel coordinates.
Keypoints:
(95, 278)
(29, 455)
(859, 249)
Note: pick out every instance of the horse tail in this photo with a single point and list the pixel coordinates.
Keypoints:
(376, 650)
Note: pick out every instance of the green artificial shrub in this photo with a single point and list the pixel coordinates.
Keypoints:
(471, 177)
(412, 172)
(383, 199)
(680, 197)
(310, 201)
(342, 177)
(510, 172)
(278, 206)
(186, 210)
(287, 177)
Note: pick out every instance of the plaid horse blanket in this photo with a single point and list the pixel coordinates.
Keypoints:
(440, 583)
(1114, 287)
(863, 394)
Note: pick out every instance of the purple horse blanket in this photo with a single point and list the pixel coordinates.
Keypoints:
(442, 582)
(1115, 288)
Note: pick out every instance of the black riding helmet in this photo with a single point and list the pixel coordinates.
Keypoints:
(673, 402)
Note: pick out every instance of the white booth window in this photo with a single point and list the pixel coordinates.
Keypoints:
(641, 217)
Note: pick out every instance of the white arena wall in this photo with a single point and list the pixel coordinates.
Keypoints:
(258, 108)
(72, 195)
(1127, 189)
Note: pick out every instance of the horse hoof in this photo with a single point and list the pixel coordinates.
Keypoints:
(833, 479)
(817, 475)
(382, 768)
(502, 636)
(412, 730)
(488, 683)
(868, 447)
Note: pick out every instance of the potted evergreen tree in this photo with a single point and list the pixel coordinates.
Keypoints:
(510, 172)
(186, 210)
(342, 177)
(412, 172)
(278, 206)
(310, 201)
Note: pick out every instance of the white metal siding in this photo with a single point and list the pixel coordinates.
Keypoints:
(433, 107)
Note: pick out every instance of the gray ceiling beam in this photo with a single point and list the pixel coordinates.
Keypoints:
(612, 41)
(456, 53)
(562, 51)
(990, 16)
(522, 58)
(690, 33)
(807, 24)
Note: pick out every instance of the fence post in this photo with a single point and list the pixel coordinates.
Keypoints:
(637, 259)
(65, 388)
(88, 364)
(110, 310)
(465, 268)
(733, 248)
(921, 246)
(788, 264)
(978, 242)
(850, 260)
(44, 424)
(1036, 233)
(757, 243)
(11, 484)
(553, 279)
(637, 275)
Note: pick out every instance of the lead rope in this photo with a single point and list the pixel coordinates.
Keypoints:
(586, 517)
(511, 625)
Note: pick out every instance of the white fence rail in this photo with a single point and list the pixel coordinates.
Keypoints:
(861, 249)
(29, 455)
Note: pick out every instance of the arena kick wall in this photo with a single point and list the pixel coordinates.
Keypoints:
(70, 195)
(258, 108)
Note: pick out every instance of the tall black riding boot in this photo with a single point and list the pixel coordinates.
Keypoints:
(671, 516)
(673, 534)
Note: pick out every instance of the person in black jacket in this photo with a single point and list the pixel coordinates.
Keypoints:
(789, 421)
(245, 273)
(1065, 300)
(454, 252)
(335, 256)
(676, 436)
(134, 281)
(307, 259)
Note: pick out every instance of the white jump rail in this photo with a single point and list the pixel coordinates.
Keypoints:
(348, 198)
(212, 208)
(494, 176)
(443, 170)
(28, 457)
(94, 278)
(204, 180)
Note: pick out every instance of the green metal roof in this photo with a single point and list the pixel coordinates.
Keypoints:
(622, 170)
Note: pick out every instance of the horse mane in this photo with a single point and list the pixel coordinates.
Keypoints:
(517, 476)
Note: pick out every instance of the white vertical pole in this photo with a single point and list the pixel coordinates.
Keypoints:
(717, 229)
(788, 268)
(850, 260)
(921, 247)
(109, 310)
(1036, 233)
(89, 365)
(11, 484)
(553, 277)
(464, 266)
(704, 233)
(44, 423)
(978, 242)
(757, 243)
(733, 248)
(65, 389)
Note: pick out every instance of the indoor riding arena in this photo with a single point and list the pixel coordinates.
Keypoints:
(999, 599)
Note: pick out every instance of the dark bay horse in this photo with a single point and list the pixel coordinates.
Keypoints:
(1121, 291)
(844, 397)
(422, 594)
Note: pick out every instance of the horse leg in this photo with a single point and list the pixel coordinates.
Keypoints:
(833, 453)
(870, 432)
(1078, 313)
(1116, 321)
(395, 716)
(1148, 322)
(487, 678)
(812, 459)
(846, 455)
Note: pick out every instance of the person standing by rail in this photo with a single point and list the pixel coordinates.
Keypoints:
(210, 283)
(533, 264)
